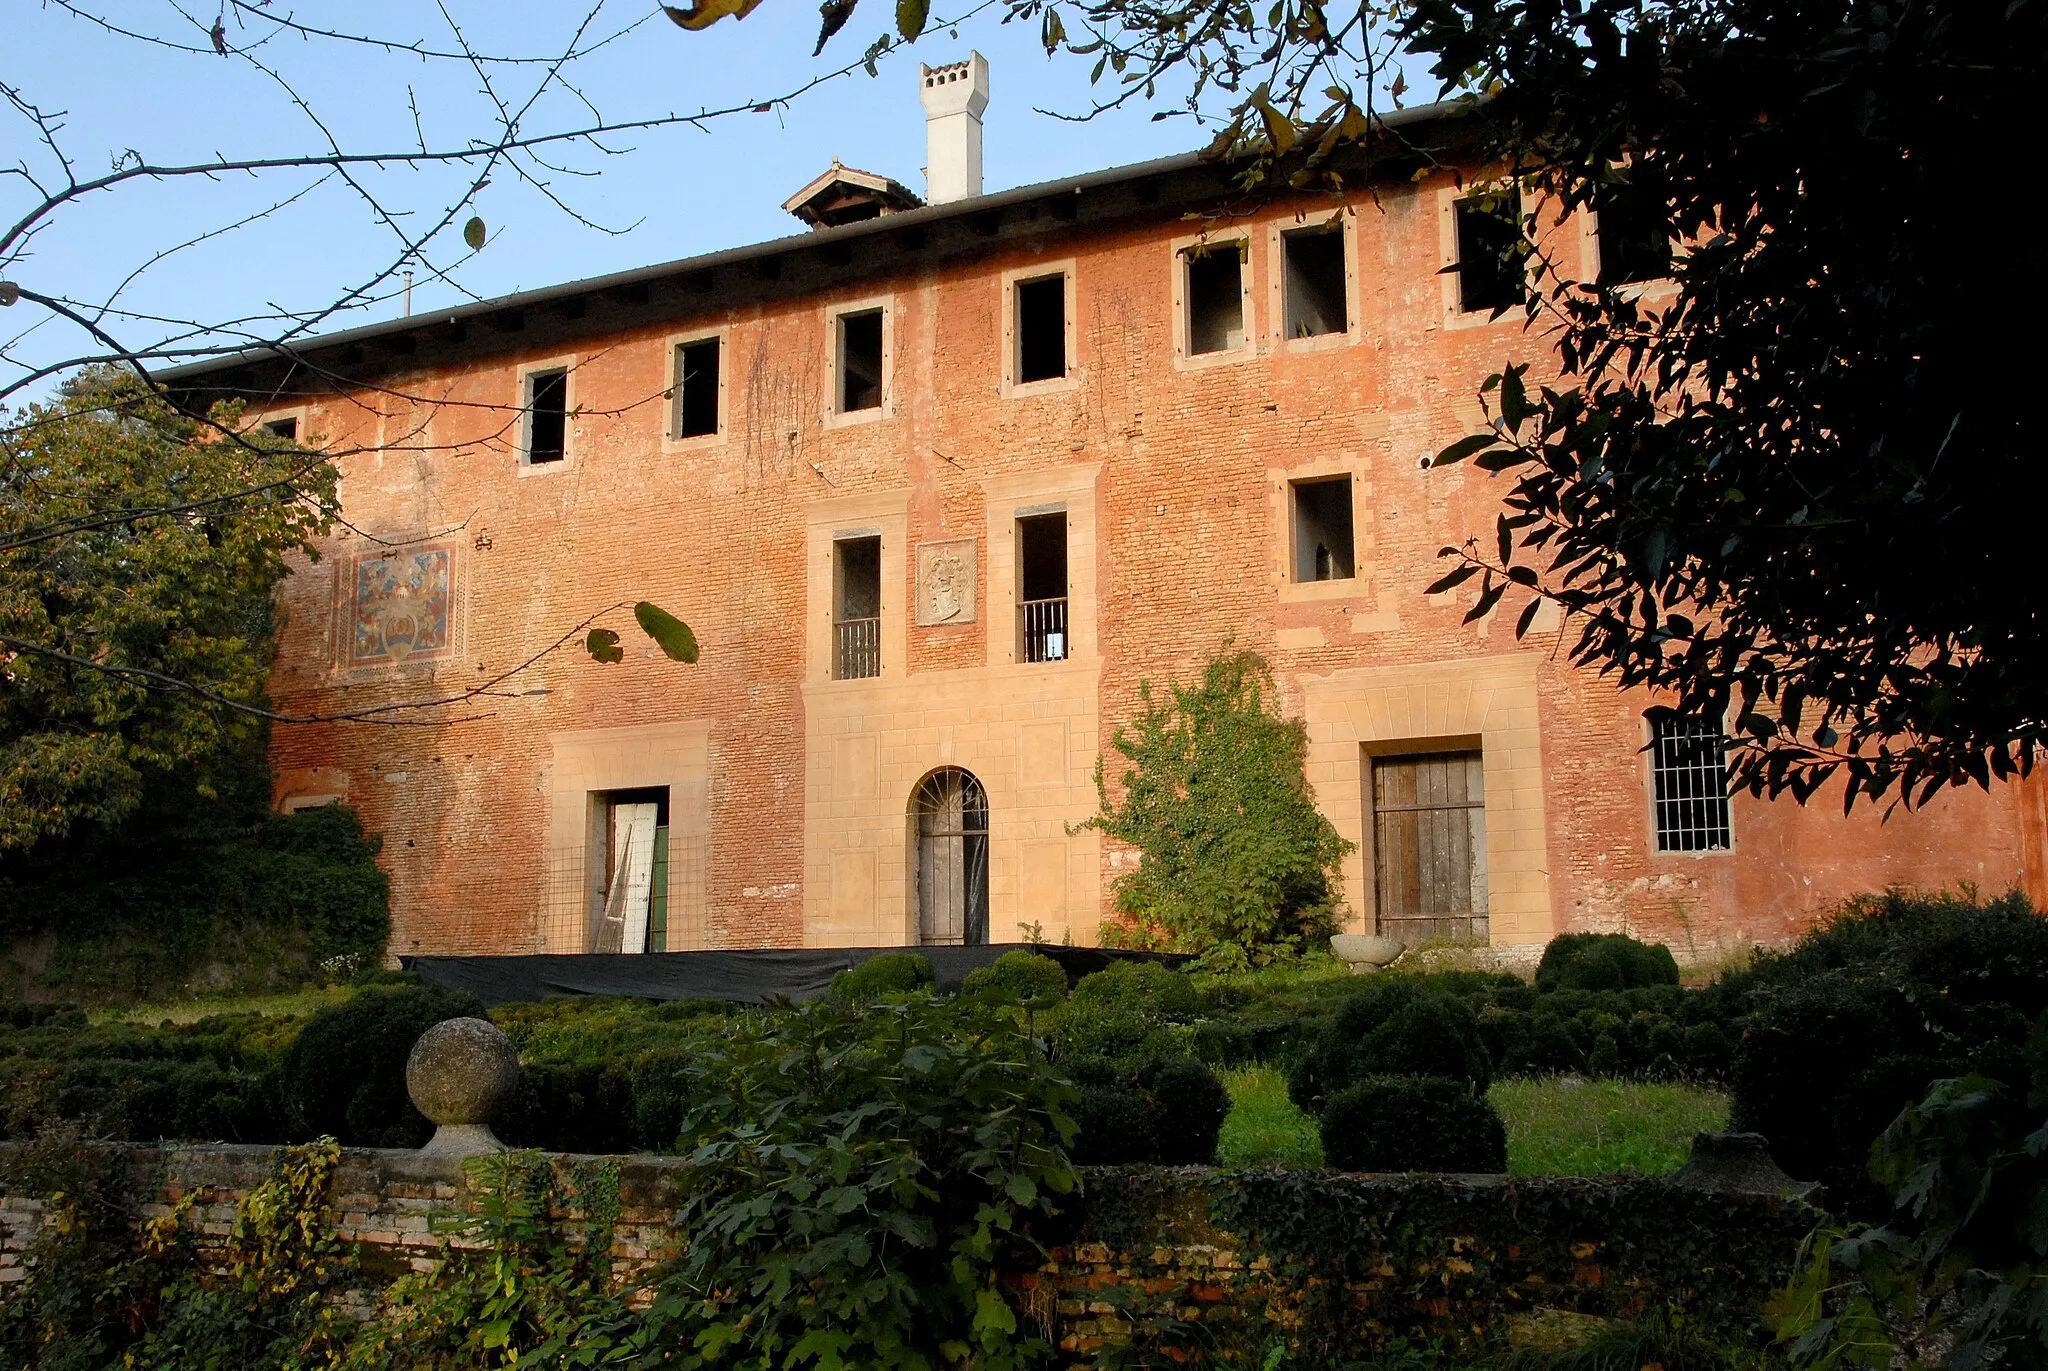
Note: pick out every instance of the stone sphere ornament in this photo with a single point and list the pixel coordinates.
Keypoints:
(459, 1073)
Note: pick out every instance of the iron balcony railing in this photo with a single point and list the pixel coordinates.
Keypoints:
(859, 648)
(1045, 630)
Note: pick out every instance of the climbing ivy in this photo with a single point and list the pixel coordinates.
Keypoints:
(1236, 863)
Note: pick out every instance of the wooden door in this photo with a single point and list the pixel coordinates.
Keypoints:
(630, 861)
(1429, 845)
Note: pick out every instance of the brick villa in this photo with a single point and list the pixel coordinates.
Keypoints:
(938, 485)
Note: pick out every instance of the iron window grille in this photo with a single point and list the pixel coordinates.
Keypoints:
(1689, 765)
(1045, 630)
(859, 648)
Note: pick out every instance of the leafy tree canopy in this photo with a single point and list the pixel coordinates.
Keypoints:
(134, 647)
(1236, 862)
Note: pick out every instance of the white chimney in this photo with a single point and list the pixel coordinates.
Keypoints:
(954, 97)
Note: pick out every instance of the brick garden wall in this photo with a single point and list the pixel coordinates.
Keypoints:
(1172, 1254)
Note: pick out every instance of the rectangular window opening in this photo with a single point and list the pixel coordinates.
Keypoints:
(1041, 329)
(287, 429)
(860, 361)
(629, 904)
(1322, 530)
(1215, 299)
(1313, 261)
(1429, 846)
(1689, 767)
(1491, 274)
(1634, 232)
(857, 608)
(547, 416)
(696, 389)
(1042, 587)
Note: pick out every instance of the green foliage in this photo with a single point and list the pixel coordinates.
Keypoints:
(1140, 987)
(1604, 961)
(1026, 979)
(84, 611)
(858, 1172)
(1167, 1110)
(514, 1287)
(1862, 1015)
(1957, 1277)
(1397, 1026)
(344, 1075)
(1237, 864)
(1412, 1123)
(888, 973)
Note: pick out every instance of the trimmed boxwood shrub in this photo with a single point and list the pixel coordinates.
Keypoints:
(1413, 1123)
(345, 1073)
(1169, 1111)
(1604, 961)
(1019, 977)
(887, 973)
(1397, 1027)
(1863, 1014)
(1144, 988)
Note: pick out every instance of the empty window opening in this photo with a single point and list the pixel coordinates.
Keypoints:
(1689, 768)
(1042, 587)
(1429, 846)
(1491, 275)
(1314, 268)
(860, 361)
(629, 898)
(857, 608)
(1041, 329)
(1322, 530)
(1215, 292)
(952, 859)
(1634, 232)
(547, 416)
(697, 389)
(287, 429)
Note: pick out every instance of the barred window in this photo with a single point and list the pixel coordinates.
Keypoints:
(1688, 761)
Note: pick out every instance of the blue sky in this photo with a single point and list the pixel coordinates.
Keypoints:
(668, 193)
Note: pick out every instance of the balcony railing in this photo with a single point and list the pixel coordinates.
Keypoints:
(1045, 630)
(858, 649)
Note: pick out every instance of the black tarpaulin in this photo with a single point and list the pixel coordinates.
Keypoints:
(748, 977)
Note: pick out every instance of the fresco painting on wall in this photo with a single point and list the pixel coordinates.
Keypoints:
(401, 606)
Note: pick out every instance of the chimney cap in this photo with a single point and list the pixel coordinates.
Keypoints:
(955, 88)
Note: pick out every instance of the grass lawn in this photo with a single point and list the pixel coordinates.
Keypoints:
(296, 1004)
(1565, 1126)
(1556, 1126)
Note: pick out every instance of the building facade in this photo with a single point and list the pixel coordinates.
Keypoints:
(938, 487)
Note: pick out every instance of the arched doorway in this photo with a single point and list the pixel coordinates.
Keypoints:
(951, 814)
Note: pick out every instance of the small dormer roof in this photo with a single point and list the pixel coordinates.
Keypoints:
(846, 195)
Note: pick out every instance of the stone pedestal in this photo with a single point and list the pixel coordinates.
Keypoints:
(459, 1073)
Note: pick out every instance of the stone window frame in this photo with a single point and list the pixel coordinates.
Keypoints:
(1646, 776)
(300, 414)
(1010, 387)
(1657, 290)
(834, 416)
(1177, 272)
(1280, 483)
(1276, 280)
(567, 364)
(881, 514)
(1006, 499)
(1447, 198)
(672, 345)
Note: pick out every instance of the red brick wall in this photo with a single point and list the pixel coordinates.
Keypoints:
(716, 533)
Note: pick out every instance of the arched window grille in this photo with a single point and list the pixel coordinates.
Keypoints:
(952, 859)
